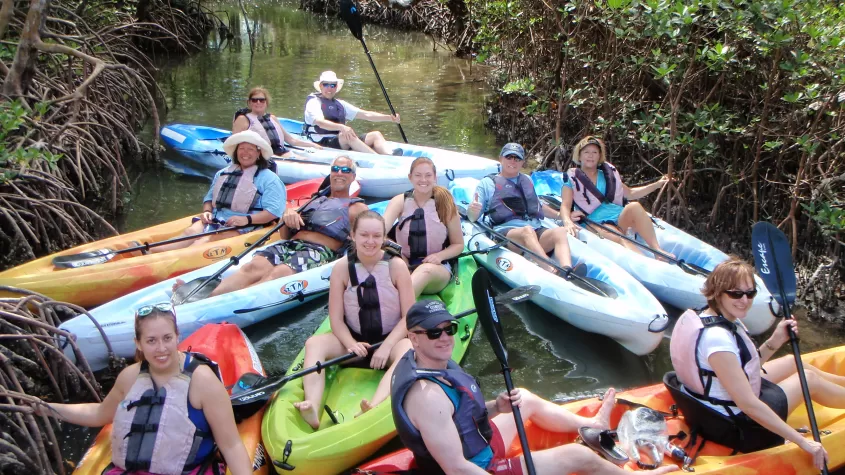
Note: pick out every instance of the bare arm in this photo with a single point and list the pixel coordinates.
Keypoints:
(640, 191)
(217, 409)
(337, 285)
(456, 239)
(240, 124)
(402, 280)
(376, 116)
(97, 414)
(355, 210)
(431, 413)
(393, 210)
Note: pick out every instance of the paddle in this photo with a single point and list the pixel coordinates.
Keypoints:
(554, 202)
(591, 285)
(349, 13)
(486, 306)
(773, 260)
(234, 260)
(101, 256)
(254, 394)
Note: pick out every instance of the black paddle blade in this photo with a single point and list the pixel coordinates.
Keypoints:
(485, 305)
(773, 261)
(178, 297)
(350, 14)
(84, 259)
(519, 294)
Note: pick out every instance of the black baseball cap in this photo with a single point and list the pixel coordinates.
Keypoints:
(427, 314)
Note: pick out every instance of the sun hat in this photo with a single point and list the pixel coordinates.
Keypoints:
(427, 314)
(328, 76)
(589, 140)
(231, 144)
(513, 149)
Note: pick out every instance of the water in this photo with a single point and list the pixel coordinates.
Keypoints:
(441, 101)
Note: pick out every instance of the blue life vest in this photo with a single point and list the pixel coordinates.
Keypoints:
(329, 217)
(333, 111)
(512, 200)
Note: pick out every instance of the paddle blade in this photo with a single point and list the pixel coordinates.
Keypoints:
(84, 259)
(485, 305)
(350, 14)
(519, 294)
(773, 261)
(180, 295)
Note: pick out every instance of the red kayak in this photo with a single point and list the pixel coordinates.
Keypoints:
(227, 345)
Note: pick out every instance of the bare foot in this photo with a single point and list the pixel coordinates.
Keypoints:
(602, 418)
(177, 284)
(365, 406)
(663, 469)
(309, 413)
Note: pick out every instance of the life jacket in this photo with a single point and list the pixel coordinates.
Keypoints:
(329, 217)
(470, 415)
(333, 111)
(235, 189)
(137, 442)
(512, 201)
(269, 129)
(588, 197)
(420, 231)
(683, 350)
(371, 304)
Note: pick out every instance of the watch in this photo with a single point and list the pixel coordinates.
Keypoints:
(249, 219)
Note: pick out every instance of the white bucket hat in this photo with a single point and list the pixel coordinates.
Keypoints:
(231, 144)
(329, 76)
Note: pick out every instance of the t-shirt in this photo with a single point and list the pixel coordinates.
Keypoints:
(273, 197)
(314, 111)
(606, 212)
(485, 189)
(714, 340)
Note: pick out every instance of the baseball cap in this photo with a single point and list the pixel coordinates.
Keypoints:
(427, 314)
(513, 149)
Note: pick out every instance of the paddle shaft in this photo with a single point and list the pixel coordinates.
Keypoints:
(520, 426)
(235, 259)
(383, 90)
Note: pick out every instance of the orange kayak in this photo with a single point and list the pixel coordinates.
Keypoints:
(785, 459)
(96, 284)
(227, 345)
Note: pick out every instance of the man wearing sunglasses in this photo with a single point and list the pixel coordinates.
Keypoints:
(441, 416)
(326, 117)
(315, 237)
(508, 203)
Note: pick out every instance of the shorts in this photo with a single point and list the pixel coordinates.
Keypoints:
(755, 437)
(216, 226)
(501, 465)
(298, 255)
(334, 142)
(537, 231)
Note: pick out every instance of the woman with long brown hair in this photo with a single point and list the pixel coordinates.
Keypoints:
(428, 228)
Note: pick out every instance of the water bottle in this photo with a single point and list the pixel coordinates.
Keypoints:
(643, 436)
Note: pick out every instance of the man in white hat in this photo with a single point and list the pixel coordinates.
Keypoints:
(243, 194)
(326, 118)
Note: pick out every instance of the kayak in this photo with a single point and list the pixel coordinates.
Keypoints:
(381, 176)
(100, 276)
(639, 328)
(667, 281)
(227, 345)
(338, 446)
(115, 319)
(713, 459)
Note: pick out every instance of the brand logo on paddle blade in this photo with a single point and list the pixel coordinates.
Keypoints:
(762, 251)
(294, 287)
(260, 459)
(504, 264)
(217, 252)
(492, 304)
(251, 396)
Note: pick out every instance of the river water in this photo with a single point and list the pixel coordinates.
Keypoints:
(441, 101)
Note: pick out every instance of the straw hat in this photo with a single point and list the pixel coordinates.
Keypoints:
(589, 140)
(329, 76)
(248, 136)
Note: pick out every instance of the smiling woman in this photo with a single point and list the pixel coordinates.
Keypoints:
(256, 118)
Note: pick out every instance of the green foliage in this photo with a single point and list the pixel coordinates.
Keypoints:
(830, 218)
(13, 156)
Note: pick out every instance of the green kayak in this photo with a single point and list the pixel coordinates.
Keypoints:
(334, 447)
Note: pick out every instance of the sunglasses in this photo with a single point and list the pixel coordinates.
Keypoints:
(435, 333)
(514, 157)
(329, 84)
(340, 169)
(257, 99)
(737, 294)
(148, 309)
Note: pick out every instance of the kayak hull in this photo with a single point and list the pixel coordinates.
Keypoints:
(639, 328)
(334, 448)
(381, 176)
(231, 349)
(125, 273)
(714, 459)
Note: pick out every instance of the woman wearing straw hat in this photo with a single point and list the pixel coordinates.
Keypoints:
(254, 117)
(244, 194)
(326, 117)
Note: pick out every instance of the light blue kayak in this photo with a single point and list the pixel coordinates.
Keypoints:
(667, 281)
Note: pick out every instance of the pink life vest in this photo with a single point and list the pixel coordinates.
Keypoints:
(683, 350)
(242, 181)
(588, 197)
(152, 430)
(259, 127)
(420, 231)
(371, 305)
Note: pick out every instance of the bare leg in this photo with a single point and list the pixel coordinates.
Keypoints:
(576, 458)
(430, 279)
(250, 274)
(528, 238)
(281, 270)
(779, 369)
(635, 216)
(354, 144)
(383, 390)
(194, 228)
(317, 348)
(378, 143)
(557, 240)
(822, 391)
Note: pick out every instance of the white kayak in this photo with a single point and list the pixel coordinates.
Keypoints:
(381, 176)
(668, 282)
(632, 316)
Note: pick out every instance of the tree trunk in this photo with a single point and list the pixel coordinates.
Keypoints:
(23, 68)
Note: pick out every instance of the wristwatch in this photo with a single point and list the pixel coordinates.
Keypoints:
(249, 219)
